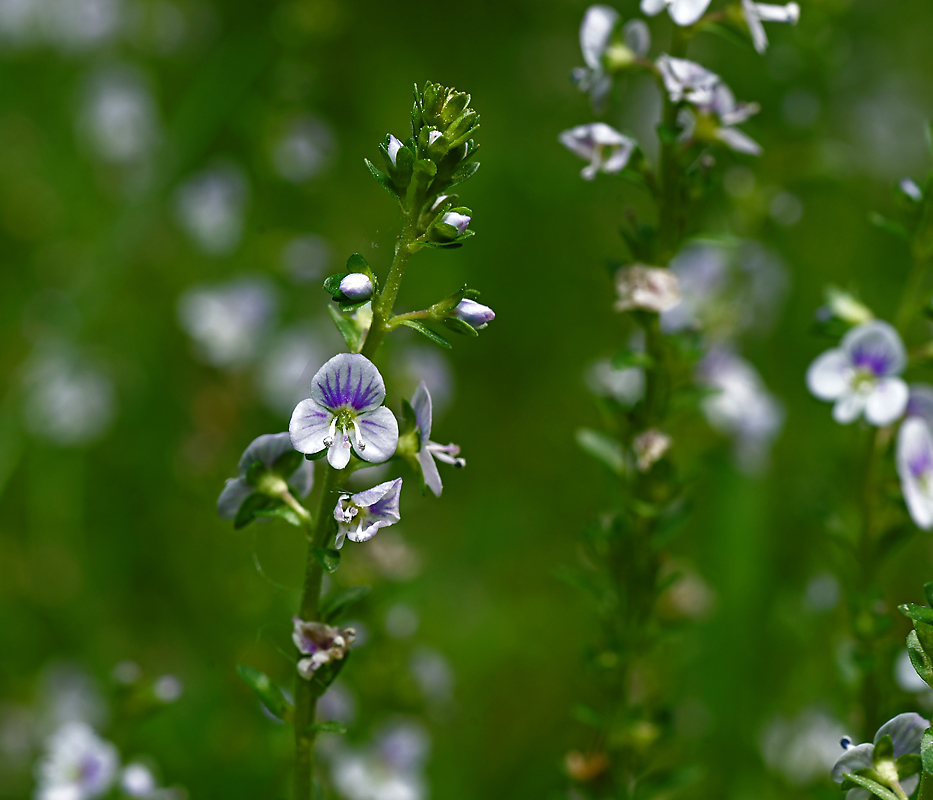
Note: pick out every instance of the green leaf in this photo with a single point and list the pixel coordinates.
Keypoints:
(331, 726)
(603, 448)
(928, 593)
(356, 263)
(908, 764)
(249, 507)
(280, 511)
(632, 358)
(286, 464)
(463, 173)
(919, 658)
(925, 636)
(347, 328)
(255, 473)
(426, 331)
(458, 325)
(269, 694)
(668, 134)
(917, 612)
(332, 283)
(883, 750)
(928, 130)
(889, 226)
(382, 179)
(327, 558)
(335, 604)
(926, 751)
(867, 783)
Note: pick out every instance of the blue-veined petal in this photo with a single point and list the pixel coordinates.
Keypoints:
(887, 401)
(309, 426)
(348, 380)
(379, 433)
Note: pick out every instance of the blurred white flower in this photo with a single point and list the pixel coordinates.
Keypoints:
(68, 400)
(304, 150)
(75, 25)
(288, 364)
(433, 675)
(138, 781)
(604, 147)
(119, 117)
(337, 703)
(646, 288)
(167, 688)
(390, 769)
(211, 205)
(625, 385)
(402, 621)
(227, 321)
(306, 258)
(822, 592)
(78, 765)
(741, 406)
(802, 749)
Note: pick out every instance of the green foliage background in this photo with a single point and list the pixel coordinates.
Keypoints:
(114, 552)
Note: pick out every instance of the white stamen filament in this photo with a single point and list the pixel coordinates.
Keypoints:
(329, 439)
(446, 453)
(360, 444)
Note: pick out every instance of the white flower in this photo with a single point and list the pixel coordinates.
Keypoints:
(459, 221)
(449, 454)
(211, 206)
(683, 12)
(346, 396)
(357, 286)
(78, 765)
(647, 289)
(650, 447)
(360, 516)
(474, 314)
(138, 781)
(606, 149)
(394, 146)
(915, 468)
(321, 643)
(757, 13)
(861, 375)
(687, 80)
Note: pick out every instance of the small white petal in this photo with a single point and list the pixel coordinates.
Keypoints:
(688, 12)
(595, 31)
(379, 432)
(914, 462)
(338, 454)
(393, 148)
(848, 408)
(652, 8)
(432, 477)
(421, 405)
(637, 37)
(887, 402)
(734, 139)
(755, 28)
(830, 375)
(309, 426)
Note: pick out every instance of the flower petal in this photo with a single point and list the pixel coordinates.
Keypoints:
(905, 731)
(309, 425)
(848, 408)
(687, 12)
(768, 12)
(877, 347)
(853, 758)
(887, 401)
(379, 431)
(386, 507)
(338, 454)
(348, 380)
(266, 448)
(595, 30)
(637, 37)
(652, 8)
(755, 28)
(738, 141)
(914, 464)
(235, 491)
(920, 403)
(421, 404)
(432, 477)
(302, 479)
(830, 375)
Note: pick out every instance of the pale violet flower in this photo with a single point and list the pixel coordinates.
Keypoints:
(119, 118)
(740, 406)
(459, 221)
(357, 286)
(267, 449)
(211, 206)
(915, 468)
(605, 148)
(449, 454)
(757, 13)
(687, 80)
(138, 781)
(920, 402)
(724, 109)
(394, 146)
(642, 288)
(683, 12)
(911, 190)
(602, 54)
(861, 375)
(78, 765)
(474, 314)
(391, 769)
(345, 404)
(905, 731)
(360, 516)
(321, 644)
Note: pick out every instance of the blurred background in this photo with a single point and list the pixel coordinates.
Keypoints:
(176, 180)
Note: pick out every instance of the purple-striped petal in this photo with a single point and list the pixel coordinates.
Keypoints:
(309, 426)
(432, 477)
(348, 380)
(905, 731)
(379, 432)
(875, 347)
(914, 466)
(421, 404)
(266, 448)
(235, 491)
(857, 757)
(887, 401)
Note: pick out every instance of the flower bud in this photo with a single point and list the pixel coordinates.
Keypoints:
(356, 286)
(459, 221)
(393, 148)
(474, 314)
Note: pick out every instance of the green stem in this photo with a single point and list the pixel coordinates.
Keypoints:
(669, 211)
(307, 692)
(926, 786)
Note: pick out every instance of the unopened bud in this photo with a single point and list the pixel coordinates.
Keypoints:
(357, 286)
(460, 221)
(393, 148)
(474, 314)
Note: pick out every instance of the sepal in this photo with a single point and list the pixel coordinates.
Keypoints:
(328, 559)
(268, 693)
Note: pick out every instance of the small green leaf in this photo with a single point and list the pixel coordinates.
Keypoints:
(919, 658)
(286, 464)
(603, 448)
(426, 331)
(458, 325)
(883, 750)
(347, 328)
(928, 593)
(334, 605)
(332, 283)
(269, 694)
(280, 511)
(331, 726)
(917, 612)
(356, 263)
(926, 751)
(249, 507)
(925, 636)
(632, 358)
(867, 783)
(327, 558)
(726, 32)
(463, 173)
(382, 179)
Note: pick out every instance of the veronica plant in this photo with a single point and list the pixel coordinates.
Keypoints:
(684, 369)
(346, 424)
